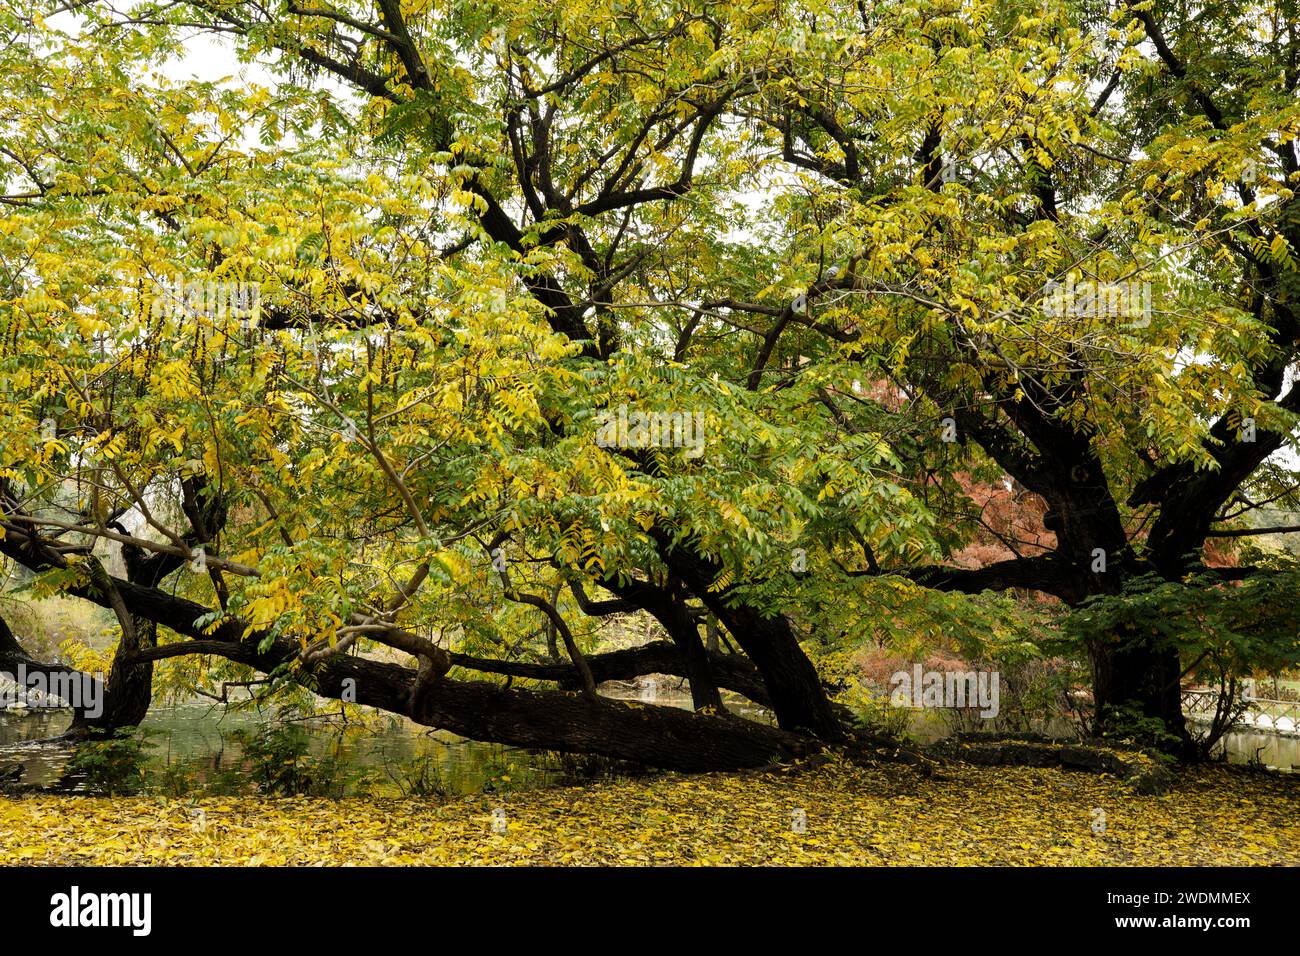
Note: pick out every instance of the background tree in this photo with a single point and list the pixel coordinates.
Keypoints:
(1039, 153)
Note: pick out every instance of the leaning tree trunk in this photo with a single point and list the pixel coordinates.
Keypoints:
(657, 736)
(685, 635)
(675, 617)
(798, 698)
(128, 691)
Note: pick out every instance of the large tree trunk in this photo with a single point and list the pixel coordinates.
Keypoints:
(664, 737)
(686, 637)
(129, 688)
(798, 698)
(1131, 677)
(656, 736)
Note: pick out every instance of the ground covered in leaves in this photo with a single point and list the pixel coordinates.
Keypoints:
(887, 815)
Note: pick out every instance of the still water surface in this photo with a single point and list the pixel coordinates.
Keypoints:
(199, 748)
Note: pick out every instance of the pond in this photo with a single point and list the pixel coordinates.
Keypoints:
(1269, 749)
(204, 748)
(201, 748)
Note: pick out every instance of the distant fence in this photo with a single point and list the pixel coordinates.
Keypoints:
(1279, 716)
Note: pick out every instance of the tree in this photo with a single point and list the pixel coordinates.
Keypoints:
(1003, 226)
(456, 319)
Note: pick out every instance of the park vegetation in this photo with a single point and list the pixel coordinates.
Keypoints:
(398, 363)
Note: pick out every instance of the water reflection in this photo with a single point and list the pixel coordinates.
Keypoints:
(196, 747)
(1270, 750)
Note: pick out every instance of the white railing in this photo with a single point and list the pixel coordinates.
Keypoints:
(1278, 716)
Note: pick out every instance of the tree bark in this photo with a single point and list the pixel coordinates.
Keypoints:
(1130, 673)
(798, 698)
(675, 617)
(663, 737)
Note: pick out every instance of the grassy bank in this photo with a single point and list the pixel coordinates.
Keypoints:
(887, 815)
